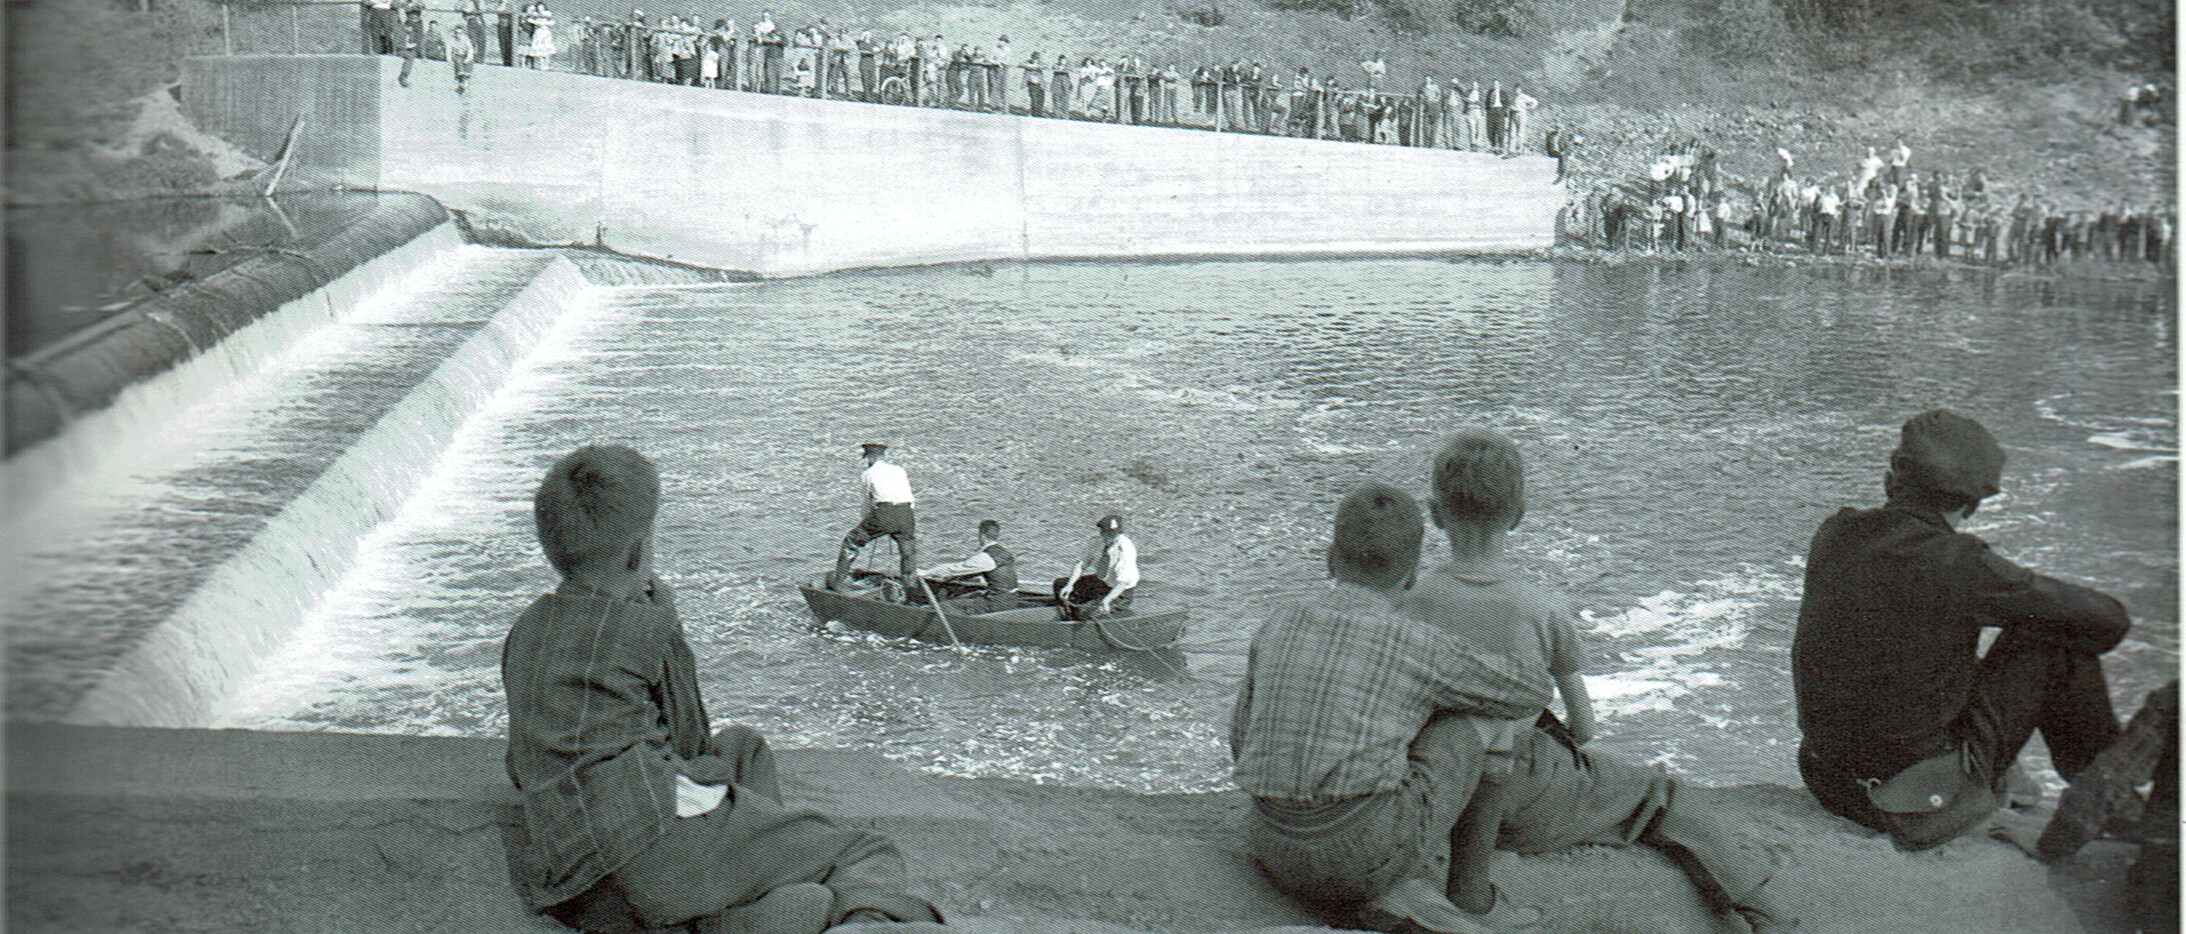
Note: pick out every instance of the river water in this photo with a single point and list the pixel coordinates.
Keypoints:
(1685, 429)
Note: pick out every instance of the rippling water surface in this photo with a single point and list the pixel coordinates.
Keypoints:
(1685, 429)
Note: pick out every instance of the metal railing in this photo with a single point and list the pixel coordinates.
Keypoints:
(1200, 99)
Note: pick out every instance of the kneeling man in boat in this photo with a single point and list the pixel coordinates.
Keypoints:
(887, 512)
(1103, 580)
(990, 574)
(1908, 728)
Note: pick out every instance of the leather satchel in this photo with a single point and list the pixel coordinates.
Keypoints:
(1925, 787)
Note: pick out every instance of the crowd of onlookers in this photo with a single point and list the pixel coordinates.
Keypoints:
(1886, 206)
(825, 61)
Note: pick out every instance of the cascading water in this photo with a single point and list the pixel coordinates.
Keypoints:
(157, 578)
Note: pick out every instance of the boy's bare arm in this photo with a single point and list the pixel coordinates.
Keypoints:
(1578, 707)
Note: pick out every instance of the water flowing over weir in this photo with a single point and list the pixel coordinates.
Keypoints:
(158, 577)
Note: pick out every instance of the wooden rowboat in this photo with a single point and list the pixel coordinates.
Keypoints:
(1038, 622)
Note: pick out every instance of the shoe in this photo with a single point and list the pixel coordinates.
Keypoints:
(1504, 916)
(2105, 792)
(1417, 906)
(798, 908)
(2020, 789)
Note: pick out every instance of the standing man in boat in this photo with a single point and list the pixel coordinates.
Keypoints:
(887, 512)
(992, 569)
(1107, 574)
(1908, 729)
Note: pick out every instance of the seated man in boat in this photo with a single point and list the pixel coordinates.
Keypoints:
(988, 577)
(887, 512)
(1103, 580)
(1350, 731)
(1907, 728)
(634, 816)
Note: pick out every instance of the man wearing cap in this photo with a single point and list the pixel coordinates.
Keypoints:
(1907, 728)
(887, 512)
(1108, 572)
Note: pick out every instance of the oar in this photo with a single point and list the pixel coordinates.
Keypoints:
(938, 611)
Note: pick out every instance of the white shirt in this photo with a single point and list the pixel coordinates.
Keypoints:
(887, 483)
(979, 563)
(1123, 561)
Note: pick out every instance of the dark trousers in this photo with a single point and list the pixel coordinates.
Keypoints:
(746, 846)
(2023, 685)
(507, 29)
(1557, 797)
(1089, 589)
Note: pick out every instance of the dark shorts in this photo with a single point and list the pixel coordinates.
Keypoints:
(1089, 589)
(894, 520)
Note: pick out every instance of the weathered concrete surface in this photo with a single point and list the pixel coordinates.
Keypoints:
(787, 186)
(138, 829)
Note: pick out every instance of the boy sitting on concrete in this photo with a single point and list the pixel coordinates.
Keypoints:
(1346, 732)
(635, 818)
(1479, 496)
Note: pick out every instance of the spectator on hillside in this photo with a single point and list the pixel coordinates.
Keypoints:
(771, 43)
(1901, 161)
(1870, 169)
(505, 21)
(1521, 105)
(1376, 70)
(869, 54)
(1498, 117)
(1476, 119)
(412, 37)
(380, 26)
(1035, 85)
(460, 56)
(933, 61)
(998, 88)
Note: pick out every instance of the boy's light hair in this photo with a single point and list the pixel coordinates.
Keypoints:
(1478, 477)
(595, 502)
(1378, 532)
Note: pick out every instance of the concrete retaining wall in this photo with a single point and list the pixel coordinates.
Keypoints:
(787, 186)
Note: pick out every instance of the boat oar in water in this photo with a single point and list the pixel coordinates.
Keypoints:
(938, 611)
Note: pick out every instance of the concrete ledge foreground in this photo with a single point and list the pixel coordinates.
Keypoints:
(117, 829)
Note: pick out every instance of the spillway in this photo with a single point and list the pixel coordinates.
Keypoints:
(169, 540)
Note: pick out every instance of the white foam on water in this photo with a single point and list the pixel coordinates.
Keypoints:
(2127, 440)
(341, 643)
(1682, 633)
(180, 418)
(2146, 463)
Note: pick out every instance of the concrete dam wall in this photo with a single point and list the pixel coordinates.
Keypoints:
(781, 186)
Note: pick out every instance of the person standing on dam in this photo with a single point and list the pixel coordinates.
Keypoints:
(770, 43)
(412, 38)
(505, 27)
(1035, 85)
(887, 511)
(460, 56)
(636, 814)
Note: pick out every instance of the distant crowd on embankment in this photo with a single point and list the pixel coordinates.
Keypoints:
(825, 61)
(1883, 206)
